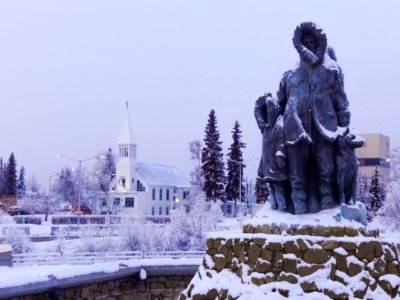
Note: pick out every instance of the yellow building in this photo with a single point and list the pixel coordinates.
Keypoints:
(374, 153)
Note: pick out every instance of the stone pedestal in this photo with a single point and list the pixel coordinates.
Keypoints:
(338, 261)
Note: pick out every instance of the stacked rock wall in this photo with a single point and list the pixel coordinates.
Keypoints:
(354, 263)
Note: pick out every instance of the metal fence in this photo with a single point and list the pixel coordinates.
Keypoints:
(87, 258)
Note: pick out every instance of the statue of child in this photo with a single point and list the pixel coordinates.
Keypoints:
(273, 158)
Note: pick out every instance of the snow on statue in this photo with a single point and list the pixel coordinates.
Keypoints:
(307, 169)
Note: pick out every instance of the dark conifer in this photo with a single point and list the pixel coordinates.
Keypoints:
(235, 166)
(21, 182)
(377, 193)
(212, 164)
(11, 176)
(262, 190)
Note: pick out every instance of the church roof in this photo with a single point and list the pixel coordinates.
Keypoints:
(126, 136)
(155, 174)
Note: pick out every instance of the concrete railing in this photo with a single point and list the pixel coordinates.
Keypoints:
(86, 258)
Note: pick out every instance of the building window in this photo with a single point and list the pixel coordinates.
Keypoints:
(129, 202)
(160, 194)
(167, 194)
(123, 151)
(139, 186)
(167, 210)
(117, 201)
(123, 182)
(229, 209)
(185, 195)
(153, 211)
(153, 194)
(160, 211)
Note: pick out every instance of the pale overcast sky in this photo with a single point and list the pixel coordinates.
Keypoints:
(67, 68)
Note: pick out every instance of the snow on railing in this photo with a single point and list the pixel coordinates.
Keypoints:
(174, 254)
(86, 258)
(83, 258)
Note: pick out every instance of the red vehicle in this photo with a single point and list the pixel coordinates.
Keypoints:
(84, 210)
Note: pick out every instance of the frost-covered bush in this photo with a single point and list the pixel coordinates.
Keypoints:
(5, 218)
(186, 231)
(391, 208)
(18, 240)
(191, 228)
(142, 235)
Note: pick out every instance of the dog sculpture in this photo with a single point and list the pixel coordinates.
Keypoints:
(347, 167)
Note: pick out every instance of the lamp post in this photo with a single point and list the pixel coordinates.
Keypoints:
(49, 197)
(79, 161)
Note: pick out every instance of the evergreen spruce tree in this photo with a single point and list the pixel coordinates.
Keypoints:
(235, 167)
(377, 193)
(107, 170)
(212, 164)
(21, 182)
(2, 177)
(11, 176)
(261, 189)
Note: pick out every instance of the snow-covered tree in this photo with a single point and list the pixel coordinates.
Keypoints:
(235, 167)
(395, 164)
(106, 169)
(377, 192)
(21, 182)
(65, 187)
(11, 176)
(391, 208)
(261, 189)
(195, 154)
(212, 161)
(32, 185)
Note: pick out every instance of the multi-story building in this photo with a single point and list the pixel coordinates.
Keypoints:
(149, 189)
(374, 153)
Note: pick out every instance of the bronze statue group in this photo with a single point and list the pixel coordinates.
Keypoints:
(308, 154)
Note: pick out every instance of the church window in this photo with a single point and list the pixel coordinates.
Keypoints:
(129, 202)
(167, 210)
(153, 194)
(160, 194)
(153, 210)
(167, 196)
(160, 211)
(122, 182)
(123, 151)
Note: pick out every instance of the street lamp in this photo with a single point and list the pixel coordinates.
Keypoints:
(80, 161)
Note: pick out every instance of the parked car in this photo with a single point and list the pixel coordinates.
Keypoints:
(84, 210)
(17, 210)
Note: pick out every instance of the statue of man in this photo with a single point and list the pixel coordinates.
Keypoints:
(314, 107)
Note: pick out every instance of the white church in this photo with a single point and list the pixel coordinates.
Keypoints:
(143, 188)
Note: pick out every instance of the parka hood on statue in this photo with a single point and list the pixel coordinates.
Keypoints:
(302, 35)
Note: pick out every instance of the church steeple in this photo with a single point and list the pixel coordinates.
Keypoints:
(126, 141)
